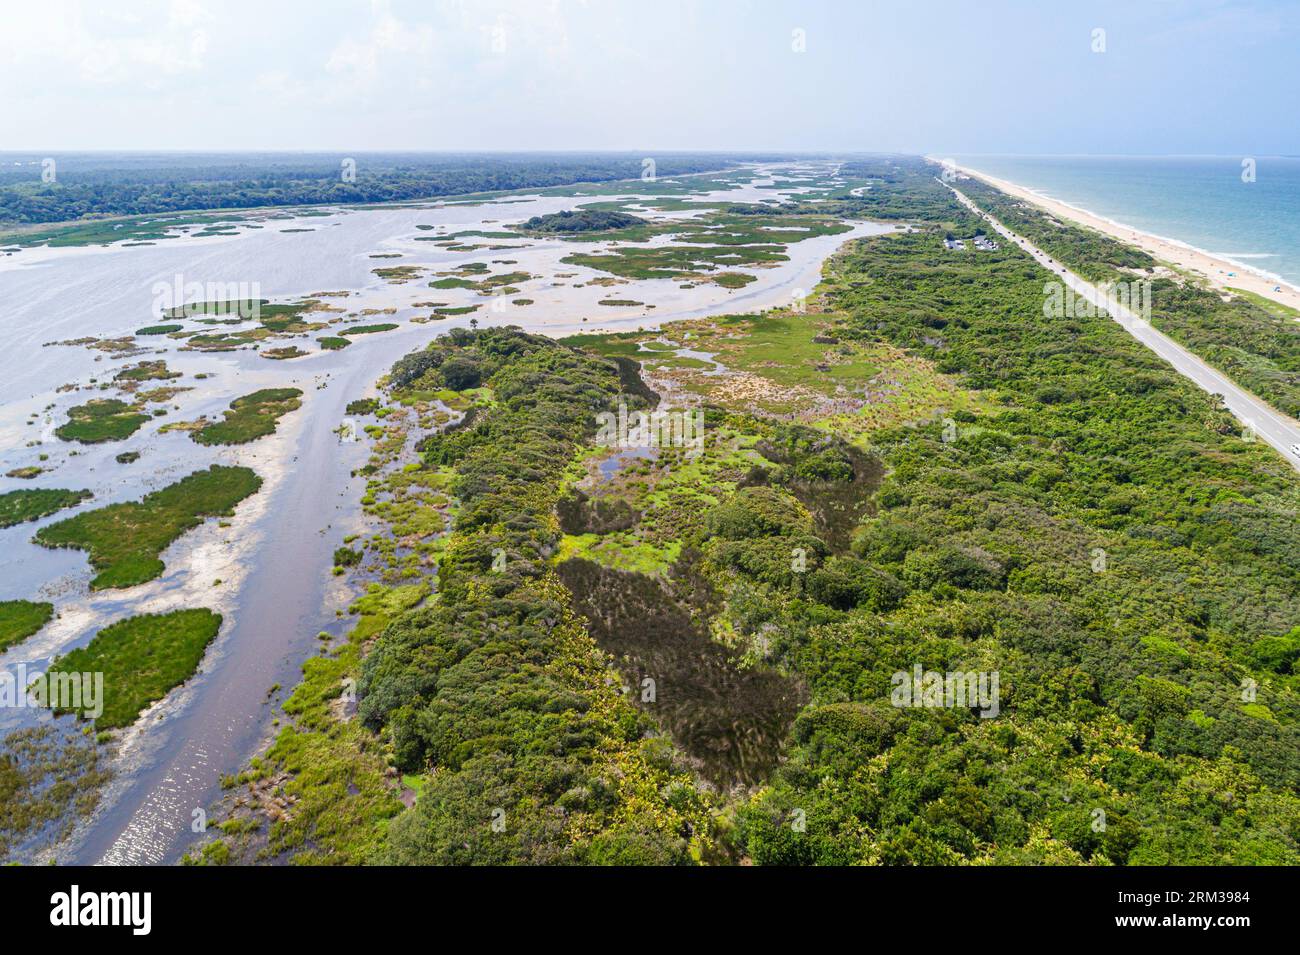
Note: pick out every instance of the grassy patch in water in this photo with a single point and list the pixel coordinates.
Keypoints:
(399, 273)
(333, 343)
(363, 406)
(282, 354)
(124, 540)
(368, 329)
(19, 619)
(734, 279)
(158, 329)
(142, 658)
(146, 371)
(101, 420)
(503, 280)
(23, 505)
(250, 417)
(244, 308)
(670, 261)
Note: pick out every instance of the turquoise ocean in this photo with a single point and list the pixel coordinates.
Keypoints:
(1201, 201)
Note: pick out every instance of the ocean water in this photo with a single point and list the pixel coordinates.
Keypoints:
(1201, 201)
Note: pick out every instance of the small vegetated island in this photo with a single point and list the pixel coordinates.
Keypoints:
(142, 659)
(250, 417)
(106, 419)
(19, 619)
(124, 540)
(18, 507)
(581, 220)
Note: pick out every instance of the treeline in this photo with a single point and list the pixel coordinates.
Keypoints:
(108, 186)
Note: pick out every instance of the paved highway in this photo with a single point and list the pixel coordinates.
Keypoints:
(1270, 425)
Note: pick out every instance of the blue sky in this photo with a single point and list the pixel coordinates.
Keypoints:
(1196, 76)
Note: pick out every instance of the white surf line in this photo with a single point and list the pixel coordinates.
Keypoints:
(1279, 431)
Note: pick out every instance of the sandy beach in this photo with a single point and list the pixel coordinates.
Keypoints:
(1214, 269)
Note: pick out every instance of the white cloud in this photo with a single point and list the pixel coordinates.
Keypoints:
(105, 46)
(389, 39)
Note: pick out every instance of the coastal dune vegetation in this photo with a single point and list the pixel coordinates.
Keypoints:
(1256, 342)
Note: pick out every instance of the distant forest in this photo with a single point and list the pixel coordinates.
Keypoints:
(92, 185)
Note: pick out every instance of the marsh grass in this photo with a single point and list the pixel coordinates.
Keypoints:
(102, 420)
(142, 659)
(17, 507)
(250, 417)
(124, 540)
(672, 261)
(147, 371)
(281, 354)
(19, 619)
(47, 779)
